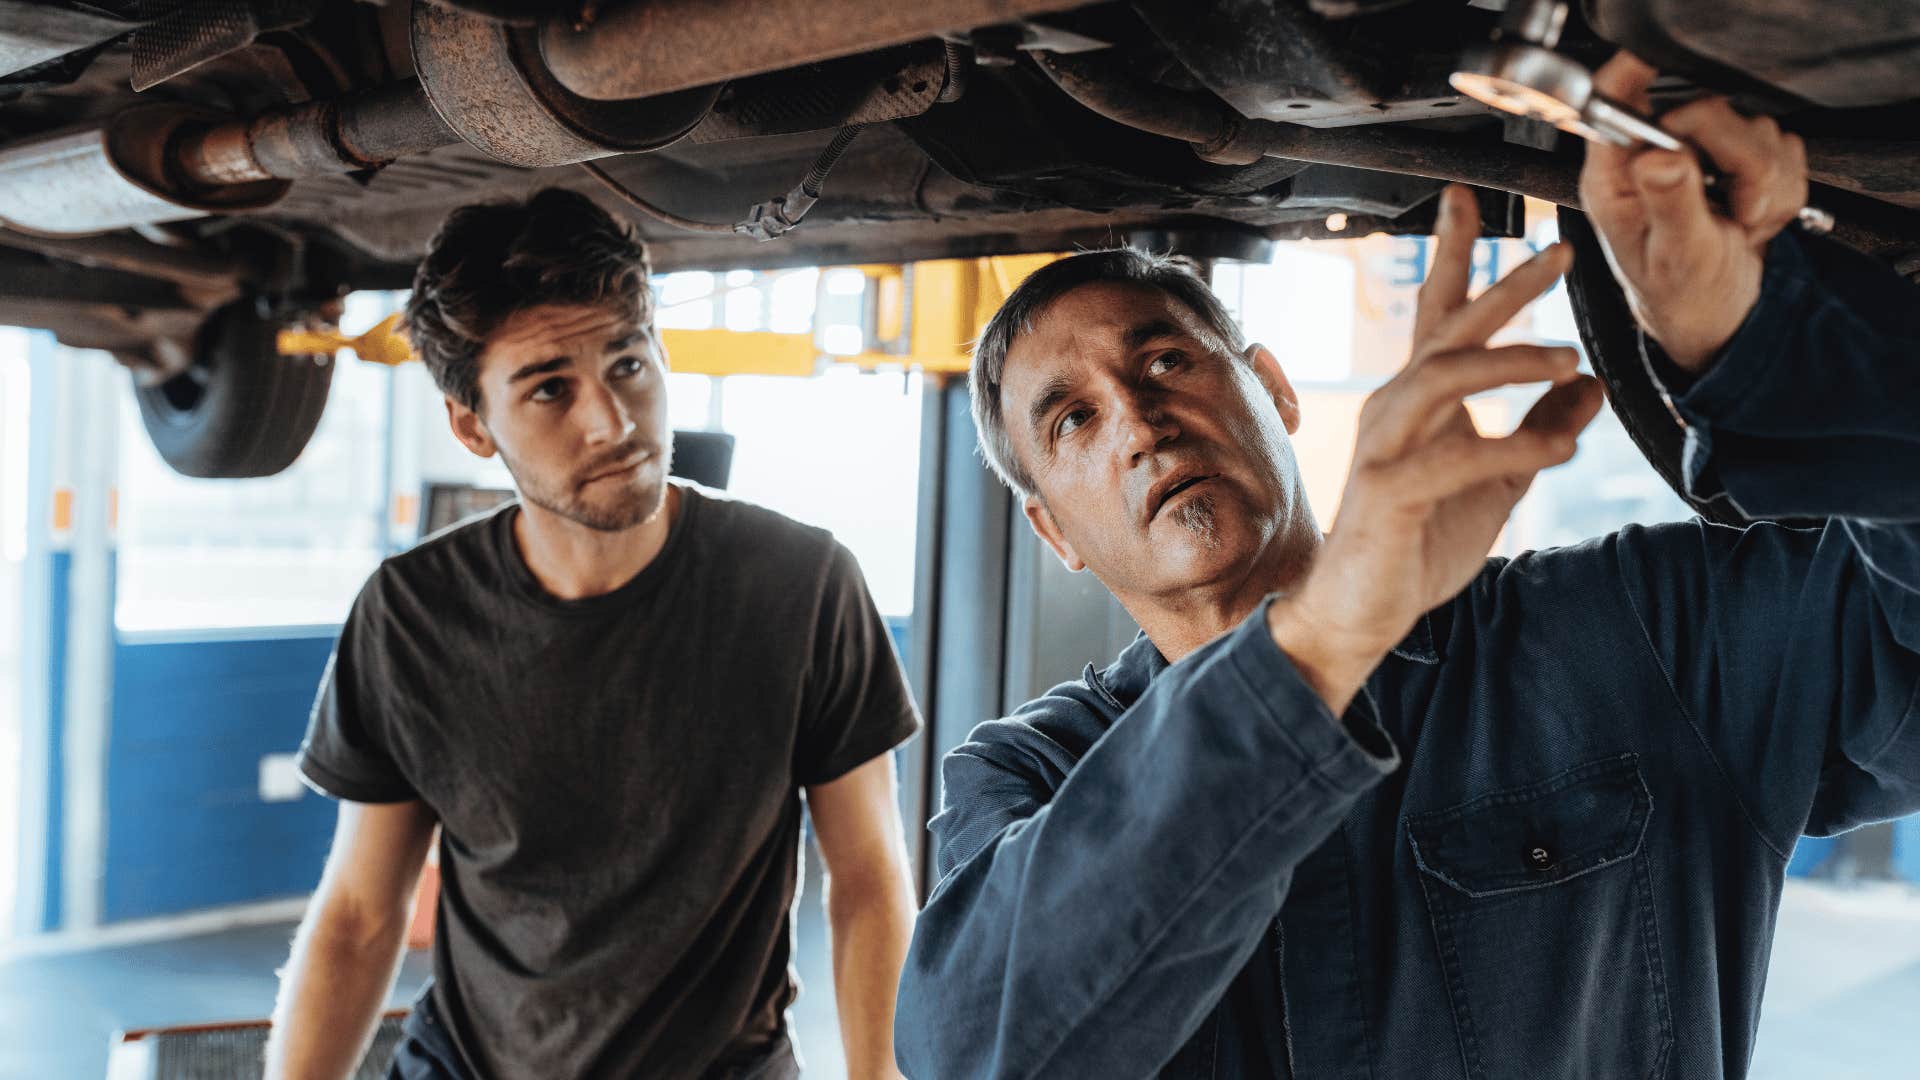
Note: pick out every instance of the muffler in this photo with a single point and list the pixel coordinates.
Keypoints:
(115, 175)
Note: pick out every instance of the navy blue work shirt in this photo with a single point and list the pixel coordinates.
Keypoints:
(1547, 840)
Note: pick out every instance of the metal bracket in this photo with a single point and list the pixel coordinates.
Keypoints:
(777, 216)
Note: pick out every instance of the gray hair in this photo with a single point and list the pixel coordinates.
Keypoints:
(1170, 275)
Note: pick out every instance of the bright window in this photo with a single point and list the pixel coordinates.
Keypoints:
(839, 449)
(286, 550)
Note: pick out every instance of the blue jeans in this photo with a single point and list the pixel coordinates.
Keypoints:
(426, 1050)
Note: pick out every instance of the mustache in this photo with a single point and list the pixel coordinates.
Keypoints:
(614, 458)
(1167, 463)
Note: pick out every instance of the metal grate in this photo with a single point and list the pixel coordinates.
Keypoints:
(237, 1053)
(195, 33)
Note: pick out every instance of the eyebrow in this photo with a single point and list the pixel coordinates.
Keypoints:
(1052, 392)
(630, 339)
(540, 367)
(1139, 335)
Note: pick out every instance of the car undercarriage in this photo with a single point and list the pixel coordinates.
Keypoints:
(174, 177)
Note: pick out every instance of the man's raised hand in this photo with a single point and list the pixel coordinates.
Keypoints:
(1427, 493)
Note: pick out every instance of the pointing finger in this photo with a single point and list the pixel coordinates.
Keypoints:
(1446, 286)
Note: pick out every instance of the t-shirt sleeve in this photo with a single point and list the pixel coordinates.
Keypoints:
(859, 706)
(346, 753)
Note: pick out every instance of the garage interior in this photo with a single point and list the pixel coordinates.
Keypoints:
(162, 846)
(162, 635)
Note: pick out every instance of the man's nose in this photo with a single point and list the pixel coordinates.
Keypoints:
(604, 416)
(1145, 427)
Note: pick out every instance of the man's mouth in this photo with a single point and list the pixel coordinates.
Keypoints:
(1161, 496)
(625, 466)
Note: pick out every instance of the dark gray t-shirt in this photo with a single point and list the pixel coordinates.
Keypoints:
(616, 778)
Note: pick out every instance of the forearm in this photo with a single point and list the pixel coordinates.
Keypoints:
(1099, 929)
(871, 921)
(1809, 411)
(331, 996)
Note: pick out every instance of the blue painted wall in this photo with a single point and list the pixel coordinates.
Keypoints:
(186, 827)
(59, 605)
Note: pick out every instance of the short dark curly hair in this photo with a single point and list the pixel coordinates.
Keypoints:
(492, 259)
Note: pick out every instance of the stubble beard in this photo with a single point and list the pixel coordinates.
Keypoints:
(633, 506)
(1200, 517)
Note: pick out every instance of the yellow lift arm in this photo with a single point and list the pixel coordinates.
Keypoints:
(925, 317)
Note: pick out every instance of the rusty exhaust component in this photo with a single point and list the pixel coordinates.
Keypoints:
(487, 82)
(315, 139)
(650, 47)
(165, 162)
(107, 177)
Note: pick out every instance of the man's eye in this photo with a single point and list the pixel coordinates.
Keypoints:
(551, 390)
(628, 365)
(1165, 362)
(1070, 420)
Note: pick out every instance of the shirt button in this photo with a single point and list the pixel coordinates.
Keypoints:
(1540, 858)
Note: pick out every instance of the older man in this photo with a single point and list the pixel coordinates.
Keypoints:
(1368, 804)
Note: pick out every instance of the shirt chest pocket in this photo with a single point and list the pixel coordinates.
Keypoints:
(1543, 914)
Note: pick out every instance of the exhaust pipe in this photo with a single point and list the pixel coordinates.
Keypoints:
(113, 176)
(163, 162)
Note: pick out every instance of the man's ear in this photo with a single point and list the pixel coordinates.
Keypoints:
(1048, 531)
(469, 430)
(1267, 367)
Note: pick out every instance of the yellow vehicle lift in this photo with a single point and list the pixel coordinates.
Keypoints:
(924, 318)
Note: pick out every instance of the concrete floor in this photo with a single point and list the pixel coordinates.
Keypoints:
(1842, 994)
(59, 1010)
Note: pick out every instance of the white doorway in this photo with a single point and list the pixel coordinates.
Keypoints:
(15, 395)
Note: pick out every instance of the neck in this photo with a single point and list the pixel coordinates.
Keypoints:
(1181, 623)
(573, 562)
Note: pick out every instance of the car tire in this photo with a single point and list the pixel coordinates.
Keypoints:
(1612, 340)
(241, 409)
